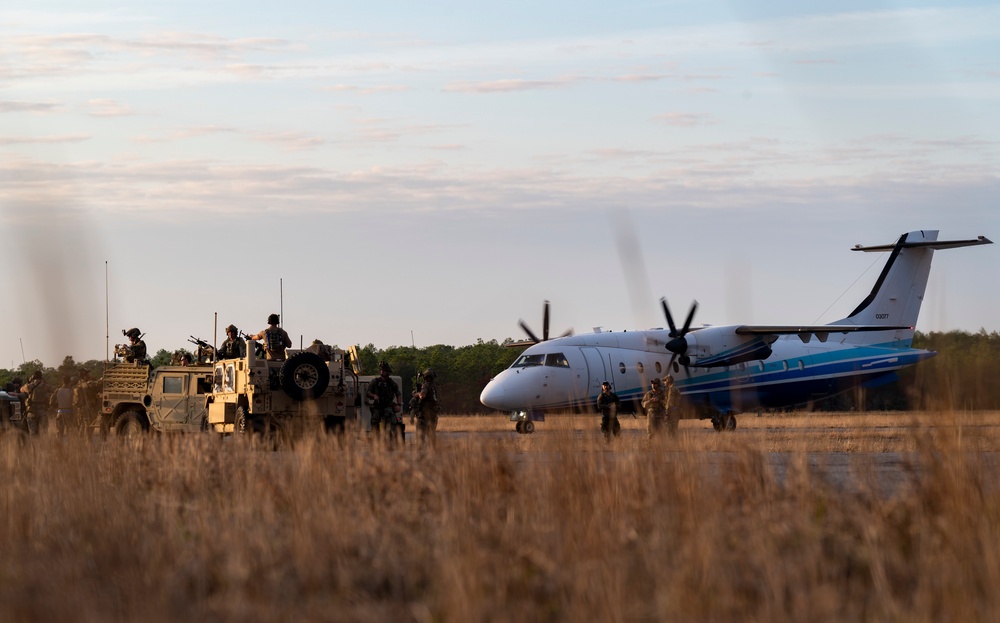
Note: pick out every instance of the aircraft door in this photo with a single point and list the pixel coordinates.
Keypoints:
(597, 370)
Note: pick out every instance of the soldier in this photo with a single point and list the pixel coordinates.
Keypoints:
(655, 404)
(135, 351)
(233, 347)
(36, 403)
(85, 400)
(385, 399)
(427, 412)
(672, 405)
(275, 338)
(608, 403)
(325, 351)
(62, 401)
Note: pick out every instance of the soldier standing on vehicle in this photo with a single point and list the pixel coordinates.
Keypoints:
(36, 403)
(233, 347)
(275, 338)
(85, 400)
(62, 401)
(135, 351)
(608, 403)
(427, 414)
(655, 404)
(672, 404)
(385, 399)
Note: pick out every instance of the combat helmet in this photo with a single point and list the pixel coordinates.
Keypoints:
(428, 374)
(232, 329)
(384, 365)
(272, 319)
(133, 332)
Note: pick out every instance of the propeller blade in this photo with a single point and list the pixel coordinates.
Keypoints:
(670, 319)
(524, 327)
(545, 322)
(687, 322)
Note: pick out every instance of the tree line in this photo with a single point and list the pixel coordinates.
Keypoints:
(961, 376)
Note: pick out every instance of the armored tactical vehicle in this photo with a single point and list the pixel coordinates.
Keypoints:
(285, 400)
(138, 398)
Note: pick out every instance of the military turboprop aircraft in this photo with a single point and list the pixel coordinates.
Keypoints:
(723, 370)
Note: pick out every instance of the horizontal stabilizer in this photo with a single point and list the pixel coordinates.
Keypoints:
(928, 244)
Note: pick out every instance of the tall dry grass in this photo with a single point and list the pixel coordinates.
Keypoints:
(549, 527)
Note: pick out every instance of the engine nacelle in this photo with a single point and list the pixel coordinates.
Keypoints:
(713, 347)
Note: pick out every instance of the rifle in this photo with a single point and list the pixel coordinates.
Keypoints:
(258, 348)
(206, 352)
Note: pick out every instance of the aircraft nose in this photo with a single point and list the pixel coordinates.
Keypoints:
(493, 395)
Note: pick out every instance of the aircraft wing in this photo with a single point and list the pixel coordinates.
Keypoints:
(805, 332)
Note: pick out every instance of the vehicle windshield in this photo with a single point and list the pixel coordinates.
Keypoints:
(525, 361)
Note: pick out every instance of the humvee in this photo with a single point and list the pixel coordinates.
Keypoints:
(138, 398)
(12, 414)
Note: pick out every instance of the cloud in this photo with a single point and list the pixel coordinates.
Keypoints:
(45, 140)
(505, 86)
(382, 88)
(32, 107)
(685, 119)
(107, 108)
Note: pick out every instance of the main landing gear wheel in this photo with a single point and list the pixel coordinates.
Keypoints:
(524, 427)
(724, 421)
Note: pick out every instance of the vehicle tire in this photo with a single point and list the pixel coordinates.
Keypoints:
(529, 427)
(304, 376)
(130, 425)
(731, 422)
(519, 427)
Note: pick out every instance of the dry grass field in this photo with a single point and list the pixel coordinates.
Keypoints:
(555, 526)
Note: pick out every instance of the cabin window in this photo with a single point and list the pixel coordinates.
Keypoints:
(217, 380)
(526, 361)
(556, 360)
(621, 367)
(638, 367)
(677, 368)
(230, 385)
(659, 368)
(802, 365)
(173, 385)
(760, 366)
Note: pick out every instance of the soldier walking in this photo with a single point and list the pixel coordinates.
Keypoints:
(608, 403)
(385, 399)
(655, 404)
(672, 405)
(427, 411)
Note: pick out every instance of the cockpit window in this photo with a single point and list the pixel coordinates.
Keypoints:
(525, 361)
(556, 360)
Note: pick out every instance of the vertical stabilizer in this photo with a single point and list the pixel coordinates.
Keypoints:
(896, 297)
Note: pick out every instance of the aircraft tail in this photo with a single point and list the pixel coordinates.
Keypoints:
(896, 297)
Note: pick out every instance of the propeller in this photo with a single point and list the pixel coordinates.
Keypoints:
(678, 345)
(545, 328)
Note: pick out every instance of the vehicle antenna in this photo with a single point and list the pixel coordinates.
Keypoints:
(23, 360)
(215, 337)
(107, 318)
(281, 300)
(412, 343)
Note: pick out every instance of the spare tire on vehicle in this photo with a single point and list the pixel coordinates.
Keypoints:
(304, 376)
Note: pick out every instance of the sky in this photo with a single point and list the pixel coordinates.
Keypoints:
(397, 173)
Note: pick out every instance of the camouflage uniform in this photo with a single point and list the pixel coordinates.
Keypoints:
(275, 338)
(37, 405)
(655, 404)
(427, 415)
(62, 401)
(135, 352)
(672, 405)
(386, 398)
(607, 404)
(233, 347)
(85, 400)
